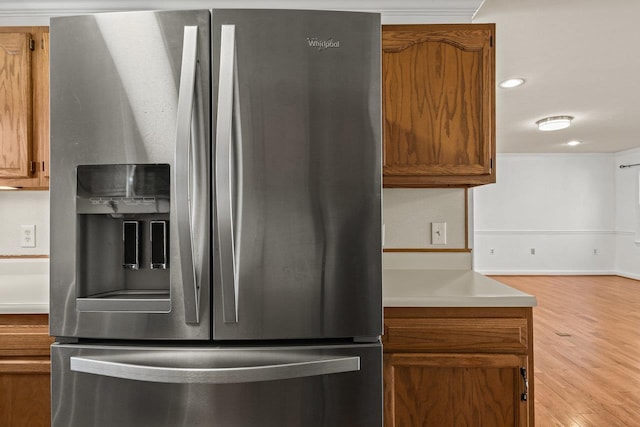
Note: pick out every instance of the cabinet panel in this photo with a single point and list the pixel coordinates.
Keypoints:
(25, 400)
(457, 334)
(25, 396)
(15, 101)
(438, 99)
(454, 366)
(453, 390)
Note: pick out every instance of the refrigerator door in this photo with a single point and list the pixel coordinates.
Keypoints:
(297, 178)
(324, 386)
(130, 174)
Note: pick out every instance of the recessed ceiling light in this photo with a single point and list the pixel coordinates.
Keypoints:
(509, 83)
(554, 123)
(574, 142)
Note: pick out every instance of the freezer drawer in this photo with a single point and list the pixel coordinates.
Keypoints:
(97, 385)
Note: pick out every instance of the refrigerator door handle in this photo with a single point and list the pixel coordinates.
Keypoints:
(183, 193)
(228, 180)
(129, 370)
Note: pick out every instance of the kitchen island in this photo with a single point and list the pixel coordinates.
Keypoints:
(458, 350)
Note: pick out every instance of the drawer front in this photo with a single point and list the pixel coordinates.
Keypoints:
(490, 335)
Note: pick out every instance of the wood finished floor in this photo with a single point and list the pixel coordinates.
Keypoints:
(587, 349)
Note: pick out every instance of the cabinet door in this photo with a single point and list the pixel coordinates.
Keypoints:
(25, 397)
(443, 390)
(34, 108)
(41, 106)
(438, 99)
(15, 101)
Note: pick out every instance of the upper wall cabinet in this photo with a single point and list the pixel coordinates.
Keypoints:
(439, 105)
(24, 99)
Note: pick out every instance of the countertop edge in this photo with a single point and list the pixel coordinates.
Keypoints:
(449, 288)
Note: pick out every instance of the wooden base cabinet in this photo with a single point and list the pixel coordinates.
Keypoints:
(25, 396)
(458, 367)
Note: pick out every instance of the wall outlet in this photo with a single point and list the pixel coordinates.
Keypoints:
(438, 233)
(491, 251)
(533, 251)
(28, 236)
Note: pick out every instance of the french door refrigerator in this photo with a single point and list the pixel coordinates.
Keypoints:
(216, 219)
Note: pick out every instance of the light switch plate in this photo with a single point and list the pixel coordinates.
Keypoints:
(438, 233)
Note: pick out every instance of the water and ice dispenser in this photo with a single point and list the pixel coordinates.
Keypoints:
(123, 237)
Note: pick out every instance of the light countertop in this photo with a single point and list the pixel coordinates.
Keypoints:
(24, 288)
(448, 288)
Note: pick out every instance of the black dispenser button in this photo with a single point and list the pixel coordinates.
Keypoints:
(158, 235)
(131, 244)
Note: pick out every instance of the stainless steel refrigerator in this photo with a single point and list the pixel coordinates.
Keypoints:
(216, 219)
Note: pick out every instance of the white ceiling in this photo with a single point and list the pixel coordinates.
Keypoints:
(579, 58)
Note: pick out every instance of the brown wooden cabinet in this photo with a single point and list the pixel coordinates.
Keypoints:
(24, 99)
(439, 105)
(25, 366)
(458, 366)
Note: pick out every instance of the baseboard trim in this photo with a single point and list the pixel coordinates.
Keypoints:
(629, 275)
(549, 272)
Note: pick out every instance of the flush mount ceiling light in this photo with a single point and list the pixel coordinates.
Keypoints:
(574, 143)
(509, 83)
(554, 123)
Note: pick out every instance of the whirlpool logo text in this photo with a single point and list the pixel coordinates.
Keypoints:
(323, 44)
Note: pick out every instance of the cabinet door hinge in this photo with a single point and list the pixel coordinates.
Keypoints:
(525, 394)
(32, 44)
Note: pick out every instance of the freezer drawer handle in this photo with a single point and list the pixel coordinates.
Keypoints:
(228, 176)
(182, 191)
(232, 375)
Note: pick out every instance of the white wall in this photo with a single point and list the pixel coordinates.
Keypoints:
(24, 285)
(628, 214)
(408, 214)
(24, 208)
(561, 205)
(24, 282)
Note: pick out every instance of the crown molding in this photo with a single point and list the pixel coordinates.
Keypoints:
(392, 11)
